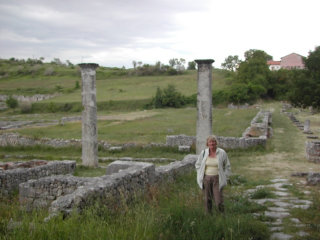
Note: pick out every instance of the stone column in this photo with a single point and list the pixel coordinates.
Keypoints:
(89, 115)
(306, 126)
(204, 103)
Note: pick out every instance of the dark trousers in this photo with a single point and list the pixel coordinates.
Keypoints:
(211, 191)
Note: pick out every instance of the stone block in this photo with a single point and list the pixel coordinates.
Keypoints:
(184, 148)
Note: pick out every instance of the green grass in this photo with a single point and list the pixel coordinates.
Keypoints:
(169, 211)
(152, 129)
(109, 87)
(23, 153)
(262, 193)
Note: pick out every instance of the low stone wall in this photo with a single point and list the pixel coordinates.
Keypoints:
(122, 181)
(34, 98)
(313, 151)
(180, 140)
(15, 139)
(255, 135)
(224, 142)
(175, 169)
(40, 193)
(10, 179)
(260, 125)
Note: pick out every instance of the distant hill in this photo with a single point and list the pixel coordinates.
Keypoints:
(29, 77)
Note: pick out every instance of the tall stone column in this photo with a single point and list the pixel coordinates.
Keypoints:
(204, 103)
(89, 115)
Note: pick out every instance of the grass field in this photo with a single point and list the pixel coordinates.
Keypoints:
(167, 211)
(153, 126)
(111, 88)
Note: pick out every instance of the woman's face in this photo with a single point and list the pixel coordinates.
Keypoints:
(212, 144)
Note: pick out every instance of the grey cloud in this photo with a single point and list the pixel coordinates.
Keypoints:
(88, 24)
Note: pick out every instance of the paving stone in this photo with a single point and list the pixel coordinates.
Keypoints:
(276, 214)
(295, 220)
(279, 186)
(305, 202)
(277, 180)
(277, 209)
(276, 229)
(301, 206)
(283, 204)
(264, 200)
(280, 236)
(280, 194)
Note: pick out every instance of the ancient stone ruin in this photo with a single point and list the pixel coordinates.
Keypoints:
(313, 151)
(89, 115)
(204, 103)
(12, 174)
(63, 193)
(256, 134)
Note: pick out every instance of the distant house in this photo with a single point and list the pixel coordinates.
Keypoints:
(291, 61)
(274, 65)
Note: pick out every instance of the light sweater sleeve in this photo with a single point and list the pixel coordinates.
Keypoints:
(227, 166)
(198, 162)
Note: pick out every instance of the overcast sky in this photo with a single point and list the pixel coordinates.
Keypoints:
(116, 32)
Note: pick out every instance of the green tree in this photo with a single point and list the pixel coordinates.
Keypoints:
(254, 70)
(192, 65)
(231, 63)
(305, 90)
(312, 63)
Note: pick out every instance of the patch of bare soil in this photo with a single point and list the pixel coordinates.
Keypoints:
(129, 116)
(283, 164)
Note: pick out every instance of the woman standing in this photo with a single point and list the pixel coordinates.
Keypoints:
(213, 169)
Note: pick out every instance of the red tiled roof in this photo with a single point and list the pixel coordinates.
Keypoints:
(271, 62)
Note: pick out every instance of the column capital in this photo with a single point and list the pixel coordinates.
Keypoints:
(88, 65)
(204, 61)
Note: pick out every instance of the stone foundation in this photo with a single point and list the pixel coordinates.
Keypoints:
(14, 139)
(313, 151)
(255, 135)
(34, 98)
(124, 180)
(10, 179)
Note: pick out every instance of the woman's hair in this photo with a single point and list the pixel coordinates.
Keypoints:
(213, 138)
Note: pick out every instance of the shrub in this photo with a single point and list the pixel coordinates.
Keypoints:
(49, 71)
(25, 107)
(12, 102)
(168, 97)
(77, 86)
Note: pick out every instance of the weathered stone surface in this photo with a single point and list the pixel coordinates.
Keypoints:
(313, 151)
(265, 131)
(184, 149)
(116, 149)
(10, 179)
(34, 98)
(204, 103)
(280, 236)
(137, 159)
(276, 214)
(117, 166)
(65, 193)
(313, 178)
(89, 115)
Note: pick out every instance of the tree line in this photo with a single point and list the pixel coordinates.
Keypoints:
(251, 79)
